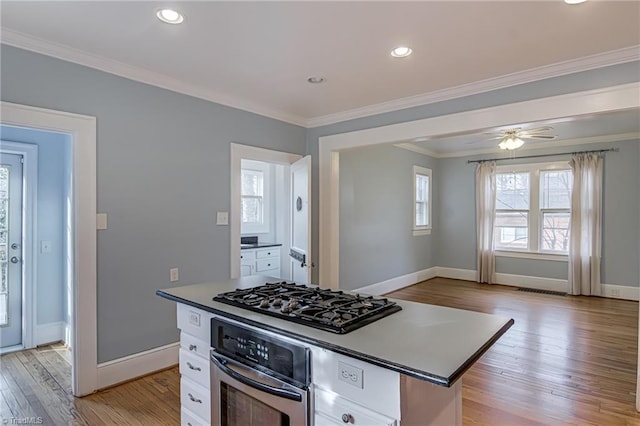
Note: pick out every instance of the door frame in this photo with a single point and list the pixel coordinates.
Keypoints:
(29, 243)
(595, 101)
(237, 153)
(83, 320)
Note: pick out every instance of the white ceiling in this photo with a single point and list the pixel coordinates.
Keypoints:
(257, 55)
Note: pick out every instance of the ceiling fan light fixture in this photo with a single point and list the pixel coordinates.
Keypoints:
(574, 1)
(170, 16)
(401, 52)
(510, 143)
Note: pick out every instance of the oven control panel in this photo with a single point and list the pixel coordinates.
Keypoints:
(261, 350)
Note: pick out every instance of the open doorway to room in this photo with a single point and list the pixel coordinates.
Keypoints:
(35, 238)
(270, 214)
(60, 234)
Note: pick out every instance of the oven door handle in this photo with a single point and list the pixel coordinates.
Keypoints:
(222, 365)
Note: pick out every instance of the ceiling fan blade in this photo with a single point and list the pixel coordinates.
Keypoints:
(545, 137)
(538, 129)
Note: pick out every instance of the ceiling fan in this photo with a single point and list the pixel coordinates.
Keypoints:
(511, 139)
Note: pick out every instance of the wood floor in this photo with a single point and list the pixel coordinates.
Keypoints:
(567, 360)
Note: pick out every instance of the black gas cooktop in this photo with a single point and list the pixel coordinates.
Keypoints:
(335, 311)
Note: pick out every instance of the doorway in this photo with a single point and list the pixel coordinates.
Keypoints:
(81, 224)
(281, 162)
(38, 270)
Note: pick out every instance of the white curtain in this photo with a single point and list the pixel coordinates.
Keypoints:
(485, 214)
(586, 225)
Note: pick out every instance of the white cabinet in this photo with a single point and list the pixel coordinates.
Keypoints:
(260, 261)
(333, 410)
(195, 383)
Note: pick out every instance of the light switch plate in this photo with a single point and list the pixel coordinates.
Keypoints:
(222, 218)
(101, 221)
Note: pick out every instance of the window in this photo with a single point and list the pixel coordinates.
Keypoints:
(533, 208)
(422, 200)
(254, 196)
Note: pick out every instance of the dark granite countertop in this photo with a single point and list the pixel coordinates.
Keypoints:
(258, 245)
(428, 342)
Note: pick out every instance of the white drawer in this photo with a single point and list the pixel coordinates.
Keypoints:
(187, 418)
(196, 399)
(267, 264)
(195, 368)
(268, 252)
(194, 321)
(333, 409)
(194, 345)
(247, 255)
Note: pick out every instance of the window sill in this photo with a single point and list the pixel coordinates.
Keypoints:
(418, 232)
(532, 255)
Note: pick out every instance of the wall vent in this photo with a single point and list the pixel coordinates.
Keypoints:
(535, 290)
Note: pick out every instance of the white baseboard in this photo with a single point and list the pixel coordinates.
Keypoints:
(538, 283)
(620, 292)
(123, 369)
(457, 274)
(50, 332)
(397, 283)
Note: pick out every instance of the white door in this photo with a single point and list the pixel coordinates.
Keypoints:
(300, 247)
(10, 250)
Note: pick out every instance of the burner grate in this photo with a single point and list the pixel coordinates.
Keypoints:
(331, 310)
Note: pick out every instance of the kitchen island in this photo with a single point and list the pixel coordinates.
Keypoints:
(406, 366)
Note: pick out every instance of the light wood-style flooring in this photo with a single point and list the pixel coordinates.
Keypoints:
(566, 360)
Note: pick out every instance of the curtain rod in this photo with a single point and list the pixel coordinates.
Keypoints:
(545, 155)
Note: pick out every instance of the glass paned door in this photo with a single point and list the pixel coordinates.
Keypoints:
(10, 250)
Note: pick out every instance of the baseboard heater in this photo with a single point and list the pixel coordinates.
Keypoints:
(535, 290)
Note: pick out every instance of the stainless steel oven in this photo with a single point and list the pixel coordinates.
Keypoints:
(257, 378)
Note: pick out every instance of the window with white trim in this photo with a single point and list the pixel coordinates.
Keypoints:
(254, 195)
(422, 200)
(533, 208)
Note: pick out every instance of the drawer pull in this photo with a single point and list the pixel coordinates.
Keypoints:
(193, 368)
(199, 401)
(348, 418)
(193, 348)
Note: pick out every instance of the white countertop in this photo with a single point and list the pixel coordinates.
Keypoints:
(428, 342)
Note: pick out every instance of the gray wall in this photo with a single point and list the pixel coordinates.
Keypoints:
(51, 214)
(587, 80)
(376, 208)
(162, 173)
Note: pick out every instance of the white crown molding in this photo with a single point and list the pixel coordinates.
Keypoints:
(628, 54)
(66, 53)
(410, 146)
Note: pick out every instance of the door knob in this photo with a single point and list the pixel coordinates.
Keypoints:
(15, 259)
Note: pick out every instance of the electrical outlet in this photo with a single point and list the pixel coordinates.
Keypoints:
(350, 374)
(173, 274)
(194, 318)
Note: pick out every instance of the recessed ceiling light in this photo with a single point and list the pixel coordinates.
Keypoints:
(315, 80)
(170, 16)
(401, 52)
(574, 1)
